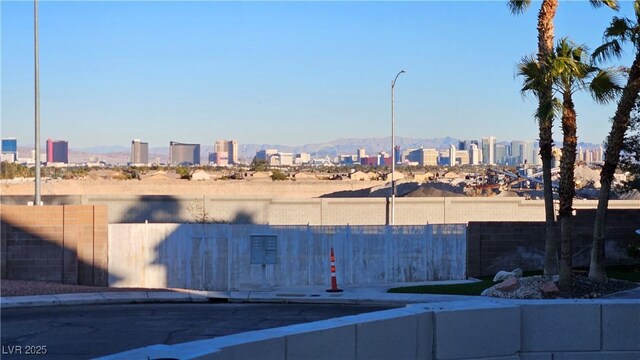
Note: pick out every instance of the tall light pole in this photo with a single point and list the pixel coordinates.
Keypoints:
(37, 101)
(393, 150)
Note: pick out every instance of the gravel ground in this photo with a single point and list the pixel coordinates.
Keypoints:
(583, 288)
(24, 288)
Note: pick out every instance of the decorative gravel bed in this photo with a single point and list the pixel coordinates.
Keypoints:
(583, 288)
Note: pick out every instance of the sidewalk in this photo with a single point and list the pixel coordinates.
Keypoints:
(309, 294)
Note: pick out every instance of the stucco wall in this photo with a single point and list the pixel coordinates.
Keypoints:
(218, 256)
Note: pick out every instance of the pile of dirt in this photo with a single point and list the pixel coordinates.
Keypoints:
(437, 190)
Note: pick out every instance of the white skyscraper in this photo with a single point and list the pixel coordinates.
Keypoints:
(452, 155)
(474, 154)
(489, 150)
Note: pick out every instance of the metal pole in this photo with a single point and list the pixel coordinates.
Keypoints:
(37, 102)
(393, 150)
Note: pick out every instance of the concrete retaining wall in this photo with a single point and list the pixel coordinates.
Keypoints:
(218, 256)
(482, 329)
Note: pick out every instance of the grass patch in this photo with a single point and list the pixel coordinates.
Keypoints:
(629, 273)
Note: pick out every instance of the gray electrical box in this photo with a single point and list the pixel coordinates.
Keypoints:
(264, 249)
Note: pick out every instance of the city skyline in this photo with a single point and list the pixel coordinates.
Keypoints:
(291, 72)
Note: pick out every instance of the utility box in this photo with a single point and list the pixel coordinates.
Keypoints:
(264, 249)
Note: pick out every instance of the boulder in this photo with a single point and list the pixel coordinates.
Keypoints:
(549, 290)
(517, 273)
(503, 275)
(509, 284)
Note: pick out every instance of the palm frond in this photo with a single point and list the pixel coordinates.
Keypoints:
(636, 8)
(518, 7)
(609, 3)
(620, 28)
(533, 75)
(549, 110)
(605, 86)
(608, 50)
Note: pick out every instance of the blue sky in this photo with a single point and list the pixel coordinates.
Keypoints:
(280, 72)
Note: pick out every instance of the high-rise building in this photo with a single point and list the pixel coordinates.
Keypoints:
(184, 154)
(9, 149)
(233, 151)
(501, 154)
(227, 146)
(397, 154)
(424, 157)
(452, 155)
(265, 154)
(302, 158)
(57, 151)
(219, 158)
(361, 154)
(474, 154)
(139, 152)
(281, 159)
(517, 152)
(489, 150)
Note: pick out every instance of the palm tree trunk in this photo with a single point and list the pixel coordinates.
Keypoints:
(545, 47)
(612, 158)
(567, 189)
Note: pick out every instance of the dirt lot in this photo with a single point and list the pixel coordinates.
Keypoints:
(259, 188)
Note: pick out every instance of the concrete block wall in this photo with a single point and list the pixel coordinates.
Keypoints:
(325, 211)
(66, 244)
(483, 329)
(219, 255)
(495, 246)
(313, 211)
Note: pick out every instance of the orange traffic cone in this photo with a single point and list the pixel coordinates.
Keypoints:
(334, 282)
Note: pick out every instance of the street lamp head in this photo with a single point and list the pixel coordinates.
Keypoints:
(393, 83)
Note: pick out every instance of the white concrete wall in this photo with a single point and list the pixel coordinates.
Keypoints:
(218, 256)
(481, 329)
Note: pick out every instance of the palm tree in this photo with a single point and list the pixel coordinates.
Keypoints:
(545, 114)
(569, 71)
(620, 31)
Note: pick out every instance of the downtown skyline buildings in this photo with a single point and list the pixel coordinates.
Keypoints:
(456, 152)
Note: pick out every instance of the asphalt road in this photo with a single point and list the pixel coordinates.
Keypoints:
(82, 332)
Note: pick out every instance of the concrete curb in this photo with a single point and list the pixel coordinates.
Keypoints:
(102, 298)
(282, 296)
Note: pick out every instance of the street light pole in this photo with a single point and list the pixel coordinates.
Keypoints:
(393, 150)
(37, 102)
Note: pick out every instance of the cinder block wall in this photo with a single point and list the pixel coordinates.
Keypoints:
(495, 246)
(66, 244)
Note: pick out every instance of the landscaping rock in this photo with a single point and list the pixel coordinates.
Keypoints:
(517, 273)
(549, 290)
(503, 275)
(509, 284)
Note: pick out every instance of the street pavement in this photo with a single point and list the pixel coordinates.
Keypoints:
(94, 324)
(90, 331)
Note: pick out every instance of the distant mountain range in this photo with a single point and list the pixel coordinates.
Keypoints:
(118, 154)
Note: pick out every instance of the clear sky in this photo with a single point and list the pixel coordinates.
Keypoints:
(280, 72)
